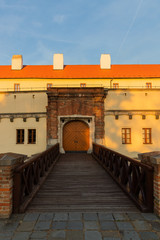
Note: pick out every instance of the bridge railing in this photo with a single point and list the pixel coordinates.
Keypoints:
(134, 177)
(29, 176)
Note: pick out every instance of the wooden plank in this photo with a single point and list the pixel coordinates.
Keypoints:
(79, 183)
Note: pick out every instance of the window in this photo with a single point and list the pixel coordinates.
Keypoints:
(82, 85)
(148, 85)
(147, 135)
(31, 136)
(115, 85)
(20, 136)
(126, 135)
(49, 85)
(16, 87)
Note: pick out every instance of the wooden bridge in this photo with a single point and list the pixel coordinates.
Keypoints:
(77, 182)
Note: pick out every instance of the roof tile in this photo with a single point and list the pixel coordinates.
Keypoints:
(82, 71)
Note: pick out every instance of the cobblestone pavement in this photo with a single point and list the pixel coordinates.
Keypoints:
(80, 226)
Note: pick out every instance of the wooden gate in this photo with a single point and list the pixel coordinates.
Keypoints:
(76, 136)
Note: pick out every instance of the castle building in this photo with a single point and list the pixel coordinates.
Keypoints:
(75, 105)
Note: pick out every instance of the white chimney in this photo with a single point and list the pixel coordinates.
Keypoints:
(58, 61)
(105, 61)
(17, 62)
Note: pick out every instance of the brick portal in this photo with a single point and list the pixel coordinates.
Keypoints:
(75, 101)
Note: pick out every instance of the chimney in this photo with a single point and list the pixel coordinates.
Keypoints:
(58, 61)
(105, 61)
(17, 62)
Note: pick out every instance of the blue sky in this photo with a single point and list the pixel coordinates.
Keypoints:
(80, 29)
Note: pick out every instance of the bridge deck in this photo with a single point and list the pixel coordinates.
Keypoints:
(79, 183)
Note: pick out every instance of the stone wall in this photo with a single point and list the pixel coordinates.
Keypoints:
(8, 162)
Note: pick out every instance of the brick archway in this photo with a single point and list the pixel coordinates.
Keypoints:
(65, 103)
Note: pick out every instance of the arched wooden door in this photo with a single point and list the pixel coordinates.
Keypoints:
(76, 136)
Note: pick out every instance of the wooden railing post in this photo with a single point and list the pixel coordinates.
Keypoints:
(153, 159)
(149, 185)
(8, 162)
(17, 191)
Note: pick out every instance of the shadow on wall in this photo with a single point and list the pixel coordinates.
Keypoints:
(121, 100)
(2, 99)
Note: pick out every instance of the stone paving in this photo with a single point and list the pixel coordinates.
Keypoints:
(80, 226)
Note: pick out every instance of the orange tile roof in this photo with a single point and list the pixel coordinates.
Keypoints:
(82, 71)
